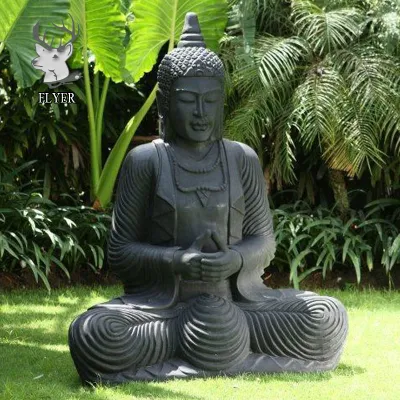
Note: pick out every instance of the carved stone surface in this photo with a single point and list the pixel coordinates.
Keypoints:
(191, 235)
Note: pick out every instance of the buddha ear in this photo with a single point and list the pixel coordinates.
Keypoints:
(159, 101)
(161, 122)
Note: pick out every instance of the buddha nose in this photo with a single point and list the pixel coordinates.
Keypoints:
(199, 109)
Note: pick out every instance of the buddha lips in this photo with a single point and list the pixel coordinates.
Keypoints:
(200, 126)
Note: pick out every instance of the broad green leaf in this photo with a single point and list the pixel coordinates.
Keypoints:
(307, 272)
(15, 236)
(375, 221)
(394, 252)
(395, 246)
(345, 248)
(159, 21)
(156, 23)
(370, 260)
(8, 249)
(61, 265)
(297, 240)
(356, 263)
(93, 250)
(102, 31)
(17, 18)
(44, 279)
(321, 257)
(297, 261)
(318, 223)
(100, 252)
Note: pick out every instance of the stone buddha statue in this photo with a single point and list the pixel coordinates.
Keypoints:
(191, 235)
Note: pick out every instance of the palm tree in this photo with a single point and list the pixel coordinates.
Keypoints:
(313, 78)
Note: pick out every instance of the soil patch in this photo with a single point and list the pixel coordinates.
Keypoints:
(340, 278)
(25, 279)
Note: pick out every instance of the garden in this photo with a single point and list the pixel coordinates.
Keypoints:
(312, 86)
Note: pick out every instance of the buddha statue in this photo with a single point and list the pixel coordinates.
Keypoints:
(191, 235)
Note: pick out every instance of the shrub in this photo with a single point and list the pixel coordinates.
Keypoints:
(310, 240)
(36, 233)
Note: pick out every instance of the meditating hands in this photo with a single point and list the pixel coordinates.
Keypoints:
(195, 264)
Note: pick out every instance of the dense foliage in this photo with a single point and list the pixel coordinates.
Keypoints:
(37, 234)
(318, 239)
(315, 86)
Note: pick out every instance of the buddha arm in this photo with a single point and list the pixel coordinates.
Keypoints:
(257, 246)
(128, 253)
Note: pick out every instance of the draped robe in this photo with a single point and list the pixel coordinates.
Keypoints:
(144, 231)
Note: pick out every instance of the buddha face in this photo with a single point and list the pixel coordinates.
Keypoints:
(195, 108)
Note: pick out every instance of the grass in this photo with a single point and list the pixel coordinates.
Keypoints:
(35, 361)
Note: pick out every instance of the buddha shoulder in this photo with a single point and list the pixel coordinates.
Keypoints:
(143, 157)
(241, 150)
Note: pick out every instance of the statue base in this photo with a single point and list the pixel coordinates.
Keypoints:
(177, 368)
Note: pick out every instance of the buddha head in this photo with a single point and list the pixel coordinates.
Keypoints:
(190, 97)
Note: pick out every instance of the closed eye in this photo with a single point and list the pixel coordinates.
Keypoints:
(212, 97)
(186, 98)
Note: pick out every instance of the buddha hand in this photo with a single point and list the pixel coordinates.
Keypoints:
(222, 264)
(187, 262)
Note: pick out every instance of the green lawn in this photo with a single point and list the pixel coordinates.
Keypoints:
(35, 361)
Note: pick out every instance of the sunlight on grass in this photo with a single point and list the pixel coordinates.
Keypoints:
(27, 309)
(16, 342)
(35, 361)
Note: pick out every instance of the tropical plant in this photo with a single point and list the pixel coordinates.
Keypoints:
(313, 81)
(154, 25)
(310, 240)
(103, 40)
(37, 234)
(47, 133)
(384, 24)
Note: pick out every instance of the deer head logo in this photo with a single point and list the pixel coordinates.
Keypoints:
(53, 61)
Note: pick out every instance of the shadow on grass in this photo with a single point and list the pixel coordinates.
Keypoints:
(341, 370)
(349, 370)
(36, 343)
(36, 370)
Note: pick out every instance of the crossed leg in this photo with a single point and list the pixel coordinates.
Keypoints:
(311, 328)
(110, 340)
(115, 342)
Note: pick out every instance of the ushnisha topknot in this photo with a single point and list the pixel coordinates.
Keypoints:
(190, 58)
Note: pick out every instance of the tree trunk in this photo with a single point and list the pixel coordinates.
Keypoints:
(338, 185)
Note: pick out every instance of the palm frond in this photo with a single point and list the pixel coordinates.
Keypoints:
(245, 77)
(355, 147)
(374, 84)
(251, 119)
(326, 31)
(279, 58)
(242, 22)
(316, 100)
(283, 153)
(273, 17)
(383, 25)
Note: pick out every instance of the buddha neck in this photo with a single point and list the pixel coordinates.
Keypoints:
(189, 148)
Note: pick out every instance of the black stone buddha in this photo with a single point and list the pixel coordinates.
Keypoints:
(191, 235)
